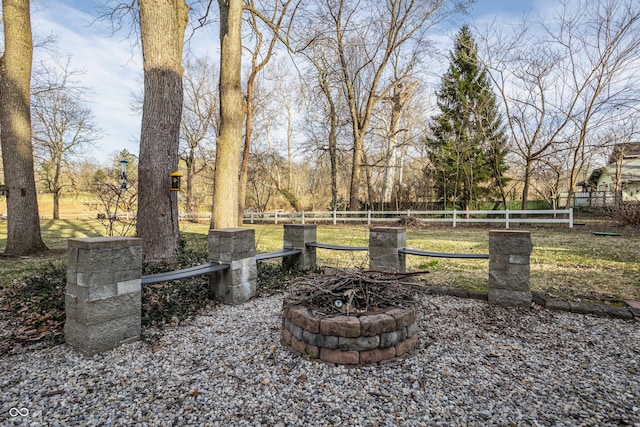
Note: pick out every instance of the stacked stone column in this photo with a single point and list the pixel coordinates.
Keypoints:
(236, 247)
(509, 268)
(296, 236)
(103, 293)
(384, 244)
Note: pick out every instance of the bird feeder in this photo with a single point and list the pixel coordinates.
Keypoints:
(175, 181)
(123, 173)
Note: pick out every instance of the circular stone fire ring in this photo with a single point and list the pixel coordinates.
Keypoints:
(361, 338)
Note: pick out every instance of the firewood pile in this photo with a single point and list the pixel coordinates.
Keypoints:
(353, 291)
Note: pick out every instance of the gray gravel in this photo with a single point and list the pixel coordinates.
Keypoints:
(475, 365)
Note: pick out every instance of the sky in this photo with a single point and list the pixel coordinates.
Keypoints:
(111, 69)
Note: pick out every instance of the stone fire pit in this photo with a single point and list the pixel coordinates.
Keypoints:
(345, 333)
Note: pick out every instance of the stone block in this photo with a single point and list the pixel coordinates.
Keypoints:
(339, 357)
(90, 313)
(126, 275)
(340, 326)
(94, 339)
(479, 295)
(303, 318)
(509, 298)
(582, 308)
(390, 339)
(539, 298)
(297, 235)
(319, 340)
(518, 281)
(412, 329)
(302, 347)
(617, 312)
(285, 336)
(295, 330)
(498, 262)
(403, 316)
(377, 355)
(230, 244)
(237, 284)
(558, 305)
(510, 242)
(394, 237)
(376, 324)
(406, 346)
(358, 343)
(129, 286)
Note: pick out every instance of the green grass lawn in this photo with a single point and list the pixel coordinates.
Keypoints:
(568, 263)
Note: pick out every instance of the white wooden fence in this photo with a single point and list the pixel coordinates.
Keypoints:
(455, 217)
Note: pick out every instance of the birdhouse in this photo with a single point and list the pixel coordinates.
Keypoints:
(175, 181)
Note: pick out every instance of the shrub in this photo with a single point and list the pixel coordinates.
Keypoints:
(626, 213)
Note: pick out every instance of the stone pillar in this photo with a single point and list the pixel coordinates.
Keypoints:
(103, 293)
(236, 247)
(509, 281)
(384, 243)
(296, 236)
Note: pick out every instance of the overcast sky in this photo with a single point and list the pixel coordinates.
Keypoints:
(111, 68)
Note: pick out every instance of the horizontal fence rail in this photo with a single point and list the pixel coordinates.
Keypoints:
(185, 273)
(278, 254)
(455, 217)
(337, 247)
(407, 251)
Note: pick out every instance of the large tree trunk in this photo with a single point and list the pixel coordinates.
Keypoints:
(232, 109)
(23, 227)
(162, 26)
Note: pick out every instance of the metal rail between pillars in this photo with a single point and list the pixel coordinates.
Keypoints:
(185, 273)
(441, 254)
(337, 247)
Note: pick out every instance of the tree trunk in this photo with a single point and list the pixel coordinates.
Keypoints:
(162, 26)
(525, 188)
(23, 226)
(191, 173)
(232, 110)
(246, 150)
(356, 170)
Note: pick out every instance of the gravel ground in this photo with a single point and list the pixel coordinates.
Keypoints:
(475, 365)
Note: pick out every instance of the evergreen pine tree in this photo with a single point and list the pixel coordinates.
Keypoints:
(468, 145)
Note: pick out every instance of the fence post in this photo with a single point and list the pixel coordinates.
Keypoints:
(275, 217)
(506, 219)
(454, 218)
(334, 217)
(509, 269)
(103, 293)
(296, 236)
(570, 217)
(369, 217)
(302, 217)
(236, 247)
(384, 244)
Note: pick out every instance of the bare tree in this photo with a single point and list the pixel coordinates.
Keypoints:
(63, 127)
(562, 78)
(23, 227)
(199, 123)
(260, 57)
(364, 37)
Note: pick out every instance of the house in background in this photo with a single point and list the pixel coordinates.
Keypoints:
(619, 180)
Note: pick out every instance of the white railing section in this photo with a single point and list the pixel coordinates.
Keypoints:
(455, 217)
